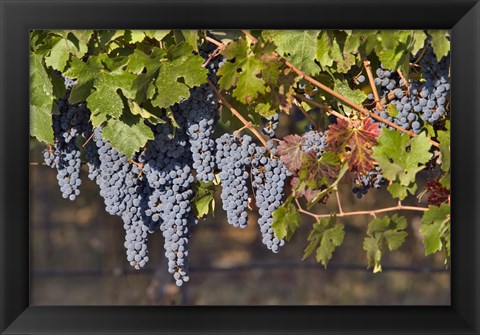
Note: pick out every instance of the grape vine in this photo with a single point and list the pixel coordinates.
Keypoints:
(163, 118)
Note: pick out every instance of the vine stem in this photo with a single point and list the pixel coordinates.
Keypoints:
(340, 97)
(399, 207)
(246, 123)
(322, 107)
(308, 116)
(368, 68)
(407, 84)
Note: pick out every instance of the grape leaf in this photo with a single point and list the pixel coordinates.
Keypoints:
(385, 231)
(106, 99)
(67, 43)
(176, 77)
(325, 237)
(354, 142)
(127, 134)
(343, 59)
(419, 38)
(400, 156)
(315, 172)
(440, 43)
(85, 73)
(41, 100)
(357, 96)
(146, 68)
(297, 46)
(157, 34)
(435, 229)
(151, 116)
(280, 96)
(290, 151)
(324, 45)
(204, 201)
(286, 220)
(243, 70)
(444, 146)
(400, 191)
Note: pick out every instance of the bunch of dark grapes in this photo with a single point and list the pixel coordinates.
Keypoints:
(314, 142)
(167, 168)
(422, 101)
(364, 182)
(233, 161)
(269, 175)
(64, 155)
(200, 112)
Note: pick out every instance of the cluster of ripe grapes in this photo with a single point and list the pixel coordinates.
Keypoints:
(153, 189)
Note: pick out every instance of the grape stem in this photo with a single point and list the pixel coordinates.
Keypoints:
(404, 80)
(399, 207)
(246, 123)
(214, 54)
(322, 107)
(340, 97)
(308, 116)
(368, 68)
(339, 203)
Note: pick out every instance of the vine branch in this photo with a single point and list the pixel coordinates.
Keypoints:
(337, 95)
(398, 207)
(246, 123)
(368, 69)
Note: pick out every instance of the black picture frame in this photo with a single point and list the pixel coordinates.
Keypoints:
(17, 17)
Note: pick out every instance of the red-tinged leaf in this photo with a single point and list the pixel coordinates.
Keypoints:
(290, 151)
(354, 142)
(437, 193)
(316, 171)
(301, 190)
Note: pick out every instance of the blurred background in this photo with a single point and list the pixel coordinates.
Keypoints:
(78, 257)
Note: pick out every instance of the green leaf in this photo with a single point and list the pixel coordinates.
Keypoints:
(106, 100)
(175, 78)
(389, 232)
(399, 191)
(401, 157)
(242, 71)
(357, 96)
(440, 42)
(325, 237)
(59, 53)
(297, 46)
(286, 220)
(136, 109)
(85, 73)
(444, 146)
(157, 34)
(41, 101)
(435, 229)
(41, 123)
(324, 45)
(331, 239)
(41, 89)
(127, 134)
(204, 201)
(419, 38)
(249, 86)
(392, 110)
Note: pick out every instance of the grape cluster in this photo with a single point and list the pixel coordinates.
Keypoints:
(167, 169)
(269, 175)
(314, 142)
(364, 182)
(200, 111)
(64, 155)
(233, 161)
(421, 102)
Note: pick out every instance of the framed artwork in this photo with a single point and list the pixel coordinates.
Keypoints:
(235, 167)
